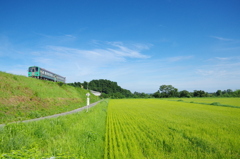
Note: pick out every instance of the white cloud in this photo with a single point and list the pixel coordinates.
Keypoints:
(127, 52)
(221, 68)
(113, 49)
(221, 38)
(223, 58)
(79, 64)
(128, 65)
(179, 58)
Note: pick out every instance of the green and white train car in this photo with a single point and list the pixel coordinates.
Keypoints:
(40, 73)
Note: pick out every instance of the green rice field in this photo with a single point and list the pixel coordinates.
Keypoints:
(154, 128)
(131, 129)
(220, 101)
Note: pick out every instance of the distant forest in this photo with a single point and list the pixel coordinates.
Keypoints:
(110, 89)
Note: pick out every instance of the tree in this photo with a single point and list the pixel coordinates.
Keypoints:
(199, 93)
(219, 93)
(105, 86)
(117, 95)
(157, 94)
(184, 93)
(229, 91)
(103, 95)
(168, 91)
(236, 93)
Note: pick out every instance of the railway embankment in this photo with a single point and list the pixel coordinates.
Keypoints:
(23, 98)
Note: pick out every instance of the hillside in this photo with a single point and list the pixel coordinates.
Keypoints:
(26, 98)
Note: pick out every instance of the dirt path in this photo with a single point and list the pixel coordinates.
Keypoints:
(56, 115)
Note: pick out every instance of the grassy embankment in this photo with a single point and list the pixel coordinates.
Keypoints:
(154, 128)
(26, 98)
(76, 136)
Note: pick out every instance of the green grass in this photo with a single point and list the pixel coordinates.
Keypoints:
(26, 98)
(126, 128)
(227, 102)
(153, 128)
(79, 135)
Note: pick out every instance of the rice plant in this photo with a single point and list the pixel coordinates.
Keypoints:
(153, 128)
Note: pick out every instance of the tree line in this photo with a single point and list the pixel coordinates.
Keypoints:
(168, 91)
(110, 89)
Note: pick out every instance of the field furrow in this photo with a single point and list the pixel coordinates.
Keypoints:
(153, 128)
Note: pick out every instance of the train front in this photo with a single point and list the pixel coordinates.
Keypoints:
(34, 71)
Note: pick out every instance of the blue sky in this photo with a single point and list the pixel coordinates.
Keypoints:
(140, 44)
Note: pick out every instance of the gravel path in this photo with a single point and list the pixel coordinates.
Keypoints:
(56, 115)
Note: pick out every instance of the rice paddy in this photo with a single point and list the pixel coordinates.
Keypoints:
(220, 101)
(131, 129)
(153, 128)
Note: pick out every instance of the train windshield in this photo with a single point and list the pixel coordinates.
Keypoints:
(33, 69)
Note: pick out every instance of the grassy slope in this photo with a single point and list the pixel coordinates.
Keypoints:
(26, 98)
(78, 135)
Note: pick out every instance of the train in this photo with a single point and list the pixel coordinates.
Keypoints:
(40, 73)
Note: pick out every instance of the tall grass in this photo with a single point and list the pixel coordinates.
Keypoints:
(26, 98)
(79, 135)
(153, 128)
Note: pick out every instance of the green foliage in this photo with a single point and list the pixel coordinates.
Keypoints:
(227, 93)
(157, 94)
(153, 128)
(26, 98)
(219, 93)
(104, 86)
(60, 83)
(215, 103)
(166, 91)
(109, 89)
(24, 153)
(79, 135)
(199, 93)
(184, 93)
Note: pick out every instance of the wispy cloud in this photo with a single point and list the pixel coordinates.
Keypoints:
(114, 51)
(127, 64)
(93, 63)
(223, 58)
(128, 52)
(179, 58)
(228, 59)
(221, 67)
(221, 38)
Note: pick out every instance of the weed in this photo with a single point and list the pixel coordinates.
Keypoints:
(21, 95)
(79, 135)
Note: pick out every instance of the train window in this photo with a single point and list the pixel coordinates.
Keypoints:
(36, 69)
(30, 69)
